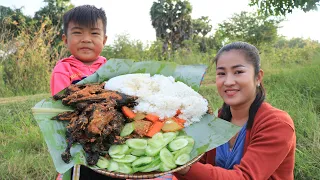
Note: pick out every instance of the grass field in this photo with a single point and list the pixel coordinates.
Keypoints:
(24, 155)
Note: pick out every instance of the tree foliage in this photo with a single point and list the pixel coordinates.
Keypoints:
(172, 22)
(11, 20)
(282, 7)
(53, 12)
(250, 27)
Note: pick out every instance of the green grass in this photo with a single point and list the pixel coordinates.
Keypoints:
(24, 155)
(23, 152)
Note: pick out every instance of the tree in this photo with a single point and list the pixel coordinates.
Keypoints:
(54, 11)
(172, 22)
(250, 27)
(10, 22)
(201, 26)
(282, 7)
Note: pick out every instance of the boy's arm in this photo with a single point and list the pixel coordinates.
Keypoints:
(58, 82)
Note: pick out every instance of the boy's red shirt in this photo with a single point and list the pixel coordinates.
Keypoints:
(269, 151)
(70, 70)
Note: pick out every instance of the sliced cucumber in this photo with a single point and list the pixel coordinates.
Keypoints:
(152, 151)
(113, 166)
(157, 140)
(125, 159)
(185, 150)
(138, 152)
(182, 159)
(188, 138)
(169, 136)
(114, 149)
(127, 129)
(137, 143)
(142, 161)
(117, 156)
(155, 165)
(177, 144)
(124, 168)
(123, 149)
(167, 158)
(155, 162)
(103, 162)
(164, 168)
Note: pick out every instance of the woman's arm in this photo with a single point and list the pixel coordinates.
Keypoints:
(268, 148)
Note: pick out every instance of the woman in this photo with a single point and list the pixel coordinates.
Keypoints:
(265, 146)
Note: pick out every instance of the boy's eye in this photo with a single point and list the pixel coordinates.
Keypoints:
(95, 33)
(76, 32)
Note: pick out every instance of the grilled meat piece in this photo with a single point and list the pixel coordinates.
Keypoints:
(97, 120)
(66, 116)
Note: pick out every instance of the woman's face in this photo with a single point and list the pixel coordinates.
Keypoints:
(235, 79)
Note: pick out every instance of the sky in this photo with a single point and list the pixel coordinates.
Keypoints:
(132, 16)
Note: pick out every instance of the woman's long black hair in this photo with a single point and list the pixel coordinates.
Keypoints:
(252, 56)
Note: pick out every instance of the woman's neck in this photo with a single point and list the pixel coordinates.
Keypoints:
(240, 114)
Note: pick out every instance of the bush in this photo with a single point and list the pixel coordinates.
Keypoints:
(28, 69)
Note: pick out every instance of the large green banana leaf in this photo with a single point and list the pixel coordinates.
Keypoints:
(209, 133)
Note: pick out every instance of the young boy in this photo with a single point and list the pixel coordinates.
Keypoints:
(85, 37)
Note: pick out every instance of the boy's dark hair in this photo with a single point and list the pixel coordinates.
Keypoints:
(252, 56)
(85, 15)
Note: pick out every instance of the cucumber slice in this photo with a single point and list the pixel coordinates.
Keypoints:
(127, 129)
(188, 138)
(182, 159)
(142, 161)
(177, 144)
(137, 143)
(125, 159)
(103, 163)
(124, 168)
(167, 158)
(185, 150)
(155, 166)
(114, 149)
(138, 152)
(152, 151)
(169, 136)
(154, 163)
(164, 168)
(113, 166)
(157, 140)
(123, 149)
(117, 156)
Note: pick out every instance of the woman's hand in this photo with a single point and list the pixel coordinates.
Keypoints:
(184, 170)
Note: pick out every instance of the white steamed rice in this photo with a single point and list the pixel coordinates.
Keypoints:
(161, 95)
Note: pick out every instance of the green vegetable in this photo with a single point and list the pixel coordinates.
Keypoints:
(113, 166)
(164, 168)
(137, 143)
(167, 158)
(127, 129)
(124, 168)
(142, 161)
(177, 144)
(103, 163)
(138, 152)
(182, 159)
(153, 151)
(125, 159)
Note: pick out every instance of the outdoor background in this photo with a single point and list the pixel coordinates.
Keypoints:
(30, 45)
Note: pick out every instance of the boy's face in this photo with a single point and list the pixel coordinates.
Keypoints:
(85, 43)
